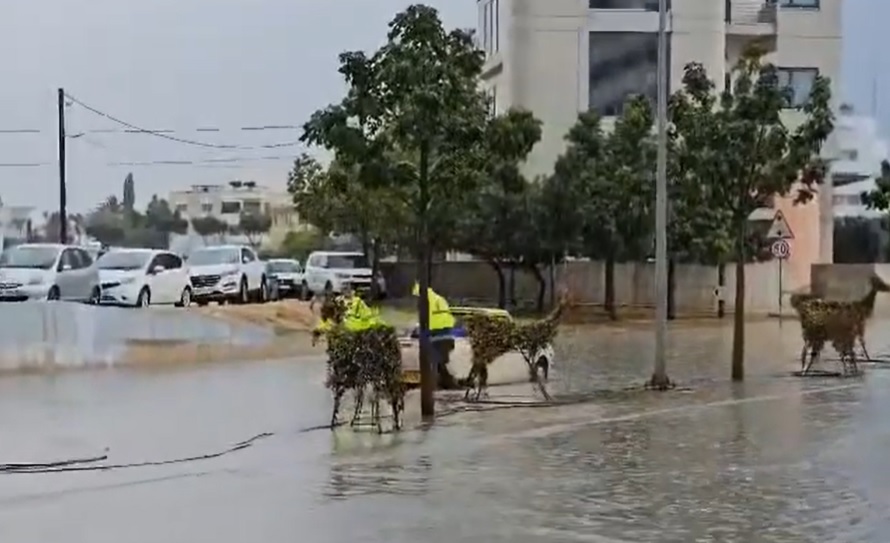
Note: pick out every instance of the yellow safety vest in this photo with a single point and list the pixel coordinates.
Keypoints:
(359, 316)
(440, 313)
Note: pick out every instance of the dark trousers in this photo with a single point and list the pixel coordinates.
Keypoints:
(442, 343)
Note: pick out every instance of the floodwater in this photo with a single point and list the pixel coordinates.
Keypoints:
(775, 459)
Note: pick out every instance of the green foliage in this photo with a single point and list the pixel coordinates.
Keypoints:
(114, 224)
(740, 147)
(298, 244)
(253, 225)
(413, 121)
(209, 226)
(879, 198)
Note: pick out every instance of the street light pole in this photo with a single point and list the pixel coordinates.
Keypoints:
(659, 377)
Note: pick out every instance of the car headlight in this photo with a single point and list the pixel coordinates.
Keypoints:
(230, 277)
(341, 276)
(36, 280)
(127, 280)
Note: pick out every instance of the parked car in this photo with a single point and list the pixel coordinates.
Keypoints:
(143, 277)
(227, 273)
(288, 275)
(48, 271)
(335, 269)
(509, 368)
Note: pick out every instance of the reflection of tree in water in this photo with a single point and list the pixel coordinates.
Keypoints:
(389, 476)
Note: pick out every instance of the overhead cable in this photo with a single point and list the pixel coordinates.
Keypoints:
(163, 135)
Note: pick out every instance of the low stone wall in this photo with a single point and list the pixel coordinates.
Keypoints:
(474, 281)
(850, 282)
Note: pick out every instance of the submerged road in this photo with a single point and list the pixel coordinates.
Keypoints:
(775, 459)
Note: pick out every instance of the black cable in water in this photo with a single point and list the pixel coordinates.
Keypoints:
(63, 468)
(12, 466)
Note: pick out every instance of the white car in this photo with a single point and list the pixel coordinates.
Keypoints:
(335, 269)
(227, 273)
(509, 368)
(287, 273)
(143, 277)
(48, 271)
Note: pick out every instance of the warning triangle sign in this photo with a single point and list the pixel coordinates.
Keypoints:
(779, 229)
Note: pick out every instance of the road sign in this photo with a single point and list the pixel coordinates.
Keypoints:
(780, 249)
(779, 229)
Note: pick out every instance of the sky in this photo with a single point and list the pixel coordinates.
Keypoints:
(183, 65)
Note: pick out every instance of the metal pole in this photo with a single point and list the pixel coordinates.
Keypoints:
(661, 268)
(780, 291)
(63, 191)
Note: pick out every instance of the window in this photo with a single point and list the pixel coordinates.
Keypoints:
(230, 208)
(810, 4)
(497, 25)
(251, 206)
(206, 207)
(85, 257)
(622, 64)
(68, 260)
(799, 82)
(181, 208)
(169, 261)
(648, 5)
(850, 154)
(247, 255)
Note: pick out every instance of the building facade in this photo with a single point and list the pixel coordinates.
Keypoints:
(860, 152)
(559, 57)
(228, 201)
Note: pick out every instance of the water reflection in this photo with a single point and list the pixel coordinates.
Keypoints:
(391, 477)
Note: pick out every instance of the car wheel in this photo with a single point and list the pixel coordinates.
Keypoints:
(185, 299)
(95, 296)
(543, 366)
(243, 293)
(144, 298)
(201, 303)
(305, 293)
(263, 295)
(328, 287)
(53, 294)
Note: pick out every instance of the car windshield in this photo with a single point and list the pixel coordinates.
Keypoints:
(29, 256)
(215, 255)
(347, 261)
(123, 260)
(284, 266)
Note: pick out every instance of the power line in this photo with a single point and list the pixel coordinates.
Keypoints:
(196, 143)
(23, 164)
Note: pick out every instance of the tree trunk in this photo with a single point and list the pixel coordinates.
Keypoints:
(610, 288)
(502, 282)
(721, 283)
(738, 331)
(375, 268)
(427, 375)
(542, 287)
(553, 283)
(672, 290)
(513, 285)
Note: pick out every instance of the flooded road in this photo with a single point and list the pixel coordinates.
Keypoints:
(775, 459)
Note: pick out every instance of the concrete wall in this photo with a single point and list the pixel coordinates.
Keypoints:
(850, 282)
(464, 282)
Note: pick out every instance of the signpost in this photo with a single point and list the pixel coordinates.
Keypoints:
(780, 233)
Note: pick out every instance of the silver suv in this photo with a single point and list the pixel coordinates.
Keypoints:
(48, 271)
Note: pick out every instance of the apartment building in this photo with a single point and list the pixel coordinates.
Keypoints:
(559, 57)
(861, 150)
(228, 201)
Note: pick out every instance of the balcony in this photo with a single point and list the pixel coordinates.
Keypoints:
(751, 17)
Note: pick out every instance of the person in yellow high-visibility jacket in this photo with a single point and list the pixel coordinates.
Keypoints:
(441, 335)
(358, 315)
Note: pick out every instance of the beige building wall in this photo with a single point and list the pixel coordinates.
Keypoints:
(539, 59)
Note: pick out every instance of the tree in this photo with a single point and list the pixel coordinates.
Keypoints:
(161, 218)
(209, 226)
(413, 120)
(298, 244)
(612, 177)
(254, 225)
(493, 219)
(129, 196)
(106, 227)
(748, 153)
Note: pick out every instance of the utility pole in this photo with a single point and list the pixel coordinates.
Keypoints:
(659, 377)
(63, 190)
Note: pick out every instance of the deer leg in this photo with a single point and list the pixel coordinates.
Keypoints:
(359, 405)
(814, 355)
(338, 395)
(864, 350)
(803, 358)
